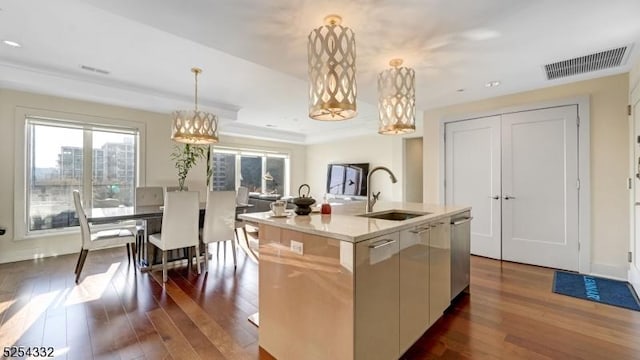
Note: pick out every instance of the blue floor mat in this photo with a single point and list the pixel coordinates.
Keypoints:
(605, 291)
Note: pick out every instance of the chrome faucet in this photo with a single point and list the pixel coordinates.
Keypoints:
(372, 200)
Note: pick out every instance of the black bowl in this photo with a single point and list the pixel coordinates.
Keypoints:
(302, 210)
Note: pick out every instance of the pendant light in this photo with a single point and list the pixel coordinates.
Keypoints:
(397, 99)
(194, 126)
(332, 71)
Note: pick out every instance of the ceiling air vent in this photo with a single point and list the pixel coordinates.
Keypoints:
(96, 70)
(584, 64)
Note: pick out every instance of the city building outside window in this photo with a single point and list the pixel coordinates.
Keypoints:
(57, 157)
(224, 171)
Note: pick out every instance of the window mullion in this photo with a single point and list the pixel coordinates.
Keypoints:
(29, 173)
(263, 181)
(87, 168)
(238, 172)
(287, 178)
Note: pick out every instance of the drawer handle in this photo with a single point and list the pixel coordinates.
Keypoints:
(420, 230)
(381, 243)
(460, 222)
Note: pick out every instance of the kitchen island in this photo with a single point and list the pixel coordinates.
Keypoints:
(344, 286)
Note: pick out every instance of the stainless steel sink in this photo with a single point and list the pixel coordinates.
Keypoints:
(395, 215)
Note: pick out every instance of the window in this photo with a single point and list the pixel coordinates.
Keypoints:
(224, 171)
(276, 170)
(101, 162)
(251, 172)
(259, 171)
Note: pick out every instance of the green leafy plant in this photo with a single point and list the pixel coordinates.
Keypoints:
(185, 157)
(209, 168)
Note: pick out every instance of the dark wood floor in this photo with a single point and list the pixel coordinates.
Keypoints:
(119, 313)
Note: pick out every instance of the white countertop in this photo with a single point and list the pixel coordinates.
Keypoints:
(343, 224)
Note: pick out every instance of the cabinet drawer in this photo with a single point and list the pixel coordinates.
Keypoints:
(414, 285)
(376, 298)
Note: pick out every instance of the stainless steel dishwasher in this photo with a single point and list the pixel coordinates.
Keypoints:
(460, 252)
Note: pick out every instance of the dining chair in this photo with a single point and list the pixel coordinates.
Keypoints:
(179, 226)
(219, 222)
(242, 199)
(242, 196)
(99, 239)
(148, 196)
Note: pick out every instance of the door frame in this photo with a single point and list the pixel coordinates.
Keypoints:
(634, 266)
(584, 162)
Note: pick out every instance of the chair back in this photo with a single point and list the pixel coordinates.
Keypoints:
(180, 219)
(82, 218)
(174, 188)
(242, 197)
(219, 217)
(149, 196)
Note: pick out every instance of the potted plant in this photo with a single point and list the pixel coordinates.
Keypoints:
(209, 168)
(186, 156)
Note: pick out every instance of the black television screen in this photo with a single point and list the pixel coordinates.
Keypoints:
(347, 179)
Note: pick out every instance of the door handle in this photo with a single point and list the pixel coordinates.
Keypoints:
(381, 243)
(509, 197)
(420, 231)
(495, 197)
(461, 221)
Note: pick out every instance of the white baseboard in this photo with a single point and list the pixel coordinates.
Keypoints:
(32, 254)
(610, 271)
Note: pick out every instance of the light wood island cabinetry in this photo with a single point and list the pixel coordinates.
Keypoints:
(342, 286)
(414, 284)
(377, 303)
(439, 269)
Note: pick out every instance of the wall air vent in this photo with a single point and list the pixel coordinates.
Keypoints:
(95, 70)
(588, 63)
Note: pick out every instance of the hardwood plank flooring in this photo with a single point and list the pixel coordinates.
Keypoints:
(117, 312)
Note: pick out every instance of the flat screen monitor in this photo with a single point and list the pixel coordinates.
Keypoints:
(347, 179)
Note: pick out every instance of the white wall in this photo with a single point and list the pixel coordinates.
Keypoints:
(159, 168)
(609, 159)
(377, 150)
(413, 169)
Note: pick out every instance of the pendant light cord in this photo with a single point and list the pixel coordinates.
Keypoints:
(196, 73)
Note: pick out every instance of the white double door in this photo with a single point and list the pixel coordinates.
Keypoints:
(519, 172)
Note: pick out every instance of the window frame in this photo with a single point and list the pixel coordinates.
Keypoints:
(263, 154)
(23, 117)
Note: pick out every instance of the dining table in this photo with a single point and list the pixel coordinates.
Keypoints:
(110, 215)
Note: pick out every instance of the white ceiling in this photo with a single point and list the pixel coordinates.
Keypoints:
(254, 57)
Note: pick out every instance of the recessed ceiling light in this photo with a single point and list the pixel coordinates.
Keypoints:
(270, 125)
(492, 84)
(460, 90)
(11, 43)
(480, 34)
